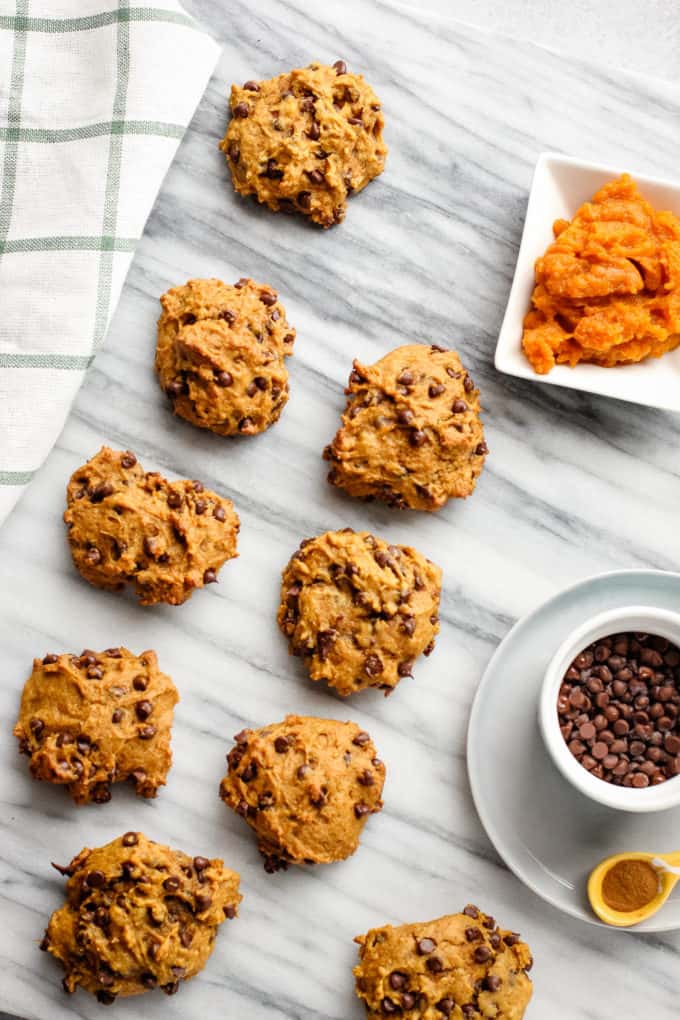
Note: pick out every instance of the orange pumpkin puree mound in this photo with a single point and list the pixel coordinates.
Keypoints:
(608, 288)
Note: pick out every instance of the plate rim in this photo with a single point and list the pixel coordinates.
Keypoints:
(487, 825)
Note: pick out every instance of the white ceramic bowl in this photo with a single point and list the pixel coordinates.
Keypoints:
(638, 619)
(560, 185)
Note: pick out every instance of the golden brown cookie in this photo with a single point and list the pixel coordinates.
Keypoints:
(358, 609)
(138, 916)
(220, 355)
(305, 140)
(128, 525)
(411, 433)
(461, 966)
(89, 720)
(306, 787)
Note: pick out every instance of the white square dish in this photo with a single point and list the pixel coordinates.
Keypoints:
(560, 185)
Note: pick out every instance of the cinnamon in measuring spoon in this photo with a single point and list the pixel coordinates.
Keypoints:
(630, 885)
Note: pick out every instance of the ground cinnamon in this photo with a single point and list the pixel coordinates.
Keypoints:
(630, 885)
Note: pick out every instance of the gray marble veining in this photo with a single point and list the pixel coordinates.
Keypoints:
(574, 485)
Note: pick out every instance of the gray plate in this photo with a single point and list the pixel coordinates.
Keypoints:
(545, 831)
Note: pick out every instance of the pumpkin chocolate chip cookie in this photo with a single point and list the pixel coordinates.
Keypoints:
(306, 787)
(220, 355)
(89, 720)
(128, 525)
(358, 609)
(138, 916)
(411, 433)
(305, 140)
(462, 967)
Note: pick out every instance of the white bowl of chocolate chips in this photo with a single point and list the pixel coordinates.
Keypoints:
(609, 709)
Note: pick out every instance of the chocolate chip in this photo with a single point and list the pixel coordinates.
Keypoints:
(425, 946)
(210, 576)
(241, 110)
(100, 492)
(459, 406)
(250, 772)
(224, 379)
(130, 839)
(203, 901)
(446, 1006)
(405, 668)
(281, 745)
(482, 954)
(201, 863)
(93, 555)
(117, 715)
(436, 391)
(50, 659)
(360, 810)
(365, 778)
(252, 86)
(200, 506)
(128, 460)
(105, 998)
(171, 988)
(481, 449)
(340, 67)
(389, 1007)
(186, 936)
(417, 437)
(398, 980)
(219, 513)
(304, 199)
(434, 964)
(95, 879)
(143, 709)
(361, 739)
(314, 132)
(492, 983)
(174, 500)
(316, 176)
(147, 732)
(373, 665)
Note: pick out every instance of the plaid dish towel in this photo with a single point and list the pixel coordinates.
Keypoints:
(94, 99)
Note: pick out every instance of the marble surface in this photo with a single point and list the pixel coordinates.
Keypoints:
(574, 485)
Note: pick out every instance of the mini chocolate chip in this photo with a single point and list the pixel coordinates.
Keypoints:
(100, 492)
(201, 863)
(425, 946)
(434, 964)
(130, 839)
(252, 86)
(361, 739)
(200, 506)
(304, 199)
(95, 879)
(186, 936)
(171, 988)
(492, 983)
(128, 459)
(117, 715)
(302, 771)
(241, 110)
(388, 1006)
(459, 406)
(50, 659)
(147, 732)
(481, 449)
(219, 513)
(436, 391)
(446, 1006)
(249, 772)
(140, 682)
(398, 980)
(468, 384)
(482, 954)
(268, 298)
(281, 745)
(93, 555)
(340, 67)
(209, 577)
(417, 437)
(203, 901)
(316, 176)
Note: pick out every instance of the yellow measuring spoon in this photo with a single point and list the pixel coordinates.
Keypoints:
(603, 880)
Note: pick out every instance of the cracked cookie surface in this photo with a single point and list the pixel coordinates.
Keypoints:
(89, 720)
(220, 355)
(461, 966)
(306, 787)
(358, 609)
(126, 525)
(305, 140)
(138, 916)
(411, 433)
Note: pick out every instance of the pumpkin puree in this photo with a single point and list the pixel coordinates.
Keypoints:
(608, 288)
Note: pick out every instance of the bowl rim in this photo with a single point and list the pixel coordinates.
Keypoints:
(662, 622)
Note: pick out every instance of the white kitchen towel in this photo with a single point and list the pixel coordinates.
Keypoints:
(94, 99)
